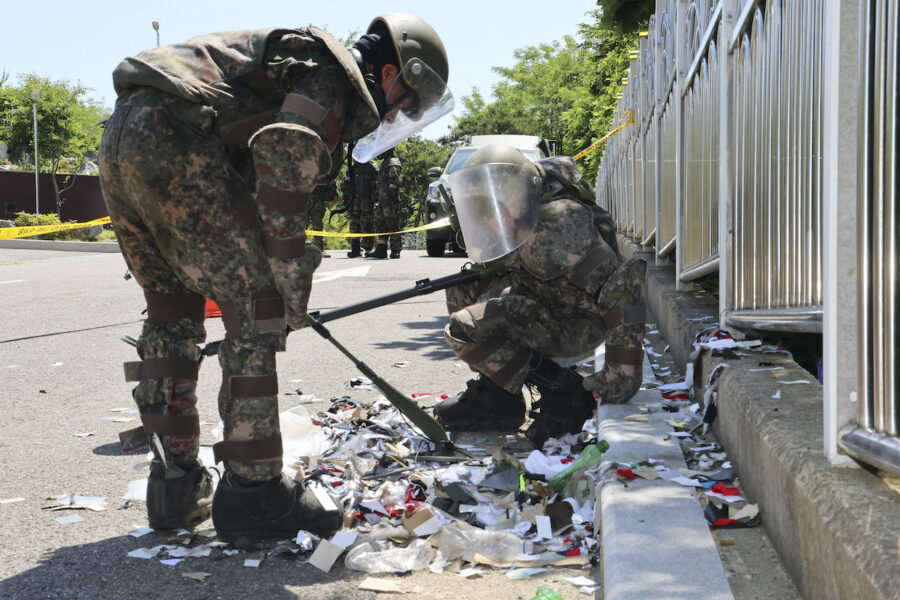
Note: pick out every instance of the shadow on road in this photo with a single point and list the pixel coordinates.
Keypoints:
(429, 342)
(103, 570)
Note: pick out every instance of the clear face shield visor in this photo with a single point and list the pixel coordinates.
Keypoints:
(425, 100)
(498, 205)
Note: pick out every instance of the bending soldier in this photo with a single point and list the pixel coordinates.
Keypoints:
(387, 208)
(320, 195)
(559, 290)
(198, 128)
(361, 199)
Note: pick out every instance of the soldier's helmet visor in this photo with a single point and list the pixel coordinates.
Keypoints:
(426, 99)
(498, 205)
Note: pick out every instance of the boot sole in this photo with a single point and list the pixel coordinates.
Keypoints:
(188, 521)
(484, 426)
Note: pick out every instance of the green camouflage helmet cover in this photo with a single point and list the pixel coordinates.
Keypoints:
(414, 38)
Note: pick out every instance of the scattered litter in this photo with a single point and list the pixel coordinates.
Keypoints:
(76, 502)
(119, 419)
(776, 395)
(524, 573)
(56, 364)
(727, 543)
(145, 553)
(84, 435)
(359, 383)
(637, 418)
(69, 519)
(580, 581)
(127, 411)
(140, 531)
(793, 382)
(545, 593)
(400, 364)
(252, 562)
(470, 572)
(171, 562)
(384, 586)
(197, 576)
(12, 500)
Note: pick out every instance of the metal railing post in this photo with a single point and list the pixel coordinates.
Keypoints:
(839, 335)
(730, 10)
(681, 59)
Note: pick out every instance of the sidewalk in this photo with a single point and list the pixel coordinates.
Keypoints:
(64, 246)
(836, 529)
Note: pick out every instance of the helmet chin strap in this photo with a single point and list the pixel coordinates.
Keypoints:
(373, 83)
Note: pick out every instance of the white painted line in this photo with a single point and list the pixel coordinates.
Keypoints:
(332, 275)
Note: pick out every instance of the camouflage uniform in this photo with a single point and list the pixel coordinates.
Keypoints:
(321, 195)
(198, 127)
(561, 294)
(387, 209)
(362, 210)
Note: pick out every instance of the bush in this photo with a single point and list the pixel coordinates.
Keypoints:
(24, 219)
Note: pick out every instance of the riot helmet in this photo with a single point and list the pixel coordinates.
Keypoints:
(418, 94)
(497, 195)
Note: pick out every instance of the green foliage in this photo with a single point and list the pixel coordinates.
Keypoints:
(68, 125)
(24, 219)
(417, 156)
(625, 16)
(565, 91)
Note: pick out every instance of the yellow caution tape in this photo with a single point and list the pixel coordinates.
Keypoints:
(337, 234)
(629, 115)
(12, 233)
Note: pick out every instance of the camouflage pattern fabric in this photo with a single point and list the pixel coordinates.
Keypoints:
(544, 299)
(321, 195)
(362, 212)
(387, 208)
(177, 177)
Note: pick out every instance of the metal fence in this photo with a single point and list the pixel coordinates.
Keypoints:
(723, 172)
(874, 437)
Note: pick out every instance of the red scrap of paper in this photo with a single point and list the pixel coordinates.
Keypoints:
(421, 394)
(721, 488)
(675, 395)
(724, 522)
(626, 473)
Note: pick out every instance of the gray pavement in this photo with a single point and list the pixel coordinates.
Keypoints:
(61, 375)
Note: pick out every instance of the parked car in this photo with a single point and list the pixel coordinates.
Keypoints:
(438, 206)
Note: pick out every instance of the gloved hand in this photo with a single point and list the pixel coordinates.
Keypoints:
(615, 383)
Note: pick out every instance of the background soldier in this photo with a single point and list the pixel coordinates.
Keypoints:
(558, 289)
(362, 207)
(267, 111)
(320, 195)
(387, 208)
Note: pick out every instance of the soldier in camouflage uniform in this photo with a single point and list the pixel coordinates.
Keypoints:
(207, 165)
(561, 293)
(321, 194)
(387, 208)
(361, 199)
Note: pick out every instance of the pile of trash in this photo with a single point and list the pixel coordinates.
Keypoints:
(405, 509)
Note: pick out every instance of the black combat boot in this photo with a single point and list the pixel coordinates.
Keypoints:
(395, 254)
(564, 404)
(178, 497)
(277, 507)
(380, 251)
(354, 248)
(483, 405)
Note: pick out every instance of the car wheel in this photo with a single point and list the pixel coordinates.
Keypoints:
(434, 247)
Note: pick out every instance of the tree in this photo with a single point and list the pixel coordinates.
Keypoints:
(625, 16)
(417, 155)
(68, 126)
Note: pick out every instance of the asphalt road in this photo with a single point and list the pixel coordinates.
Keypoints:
(63, 315)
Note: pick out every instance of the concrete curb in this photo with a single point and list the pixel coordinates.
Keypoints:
(836, 529)
(656, 542)
(65, 246)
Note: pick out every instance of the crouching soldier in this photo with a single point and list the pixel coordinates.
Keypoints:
(557, 288)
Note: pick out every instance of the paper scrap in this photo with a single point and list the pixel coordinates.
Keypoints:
(196, 552)
(323, 497)
(344, 538)
(747, 512)
(252, 562)
(144, 553)
(11, 500)
(385, 586)
(637, 418)
(723, 498)
(197, 575)
(793, 382)
(69, 519)
(524, 573)
(171, 562)
(649, 474)
(544, 529)
(470, 572)
(776, 395)
(580, 581)
(85, 434)
(140, 531)
(325, 554)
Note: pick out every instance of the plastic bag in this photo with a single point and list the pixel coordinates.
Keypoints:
(465, 543)
(384, 557)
